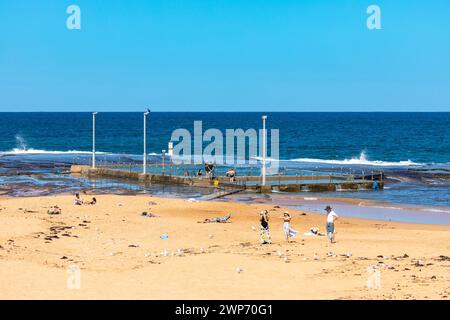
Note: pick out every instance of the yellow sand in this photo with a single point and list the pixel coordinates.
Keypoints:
(119, 255)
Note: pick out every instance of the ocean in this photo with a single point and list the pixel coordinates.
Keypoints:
(335, 138)
(413, 149)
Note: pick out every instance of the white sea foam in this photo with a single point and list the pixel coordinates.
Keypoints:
(267, 159)
(435, 210)
(362, 160)
(31, 151)
(18, 151)
(22, 149)
(20, 141)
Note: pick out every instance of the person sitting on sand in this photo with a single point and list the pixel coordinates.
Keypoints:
(217, 219)
(78, 201)
(264, 227)
(287, 229)
(54, 210)
(331, 218)
(94, 201)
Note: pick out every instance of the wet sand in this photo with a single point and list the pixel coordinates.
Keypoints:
(369, 209)
(120, 253)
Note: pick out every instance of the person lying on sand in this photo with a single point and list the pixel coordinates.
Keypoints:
(314, 231)
(217, 219)
(149, 215)
(78, 201)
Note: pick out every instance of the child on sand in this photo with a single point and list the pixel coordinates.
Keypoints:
(287, 229)
(331, 218)
(94, 201)
(264, 228)
(77, 201)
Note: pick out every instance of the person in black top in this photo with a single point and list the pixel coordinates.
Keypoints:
(264, 227)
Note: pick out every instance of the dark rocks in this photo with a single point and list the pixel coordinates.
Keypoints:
(443, 258)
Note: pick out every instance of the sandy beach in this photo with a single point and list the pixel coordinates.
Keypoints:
(120, 255)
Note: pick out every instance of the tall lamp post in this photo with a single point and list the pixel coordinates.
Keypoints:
(93, 139)
(163, 153)
(264, 118)
(144, 162)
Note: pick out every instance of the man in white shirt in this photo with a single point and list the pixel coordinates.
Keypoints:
(331, 218)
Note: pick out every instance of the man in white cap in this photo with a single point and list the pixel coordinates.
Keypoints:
(331, 218)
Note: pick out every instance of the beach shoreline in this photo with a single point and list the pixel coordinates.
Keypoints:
(121, 255)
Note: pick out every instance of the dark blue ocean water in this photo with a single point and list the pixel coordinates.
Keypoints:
(395, 143)
(389, 137)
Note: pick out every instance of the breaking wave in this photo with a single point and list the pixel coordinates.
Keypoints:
(362, 160)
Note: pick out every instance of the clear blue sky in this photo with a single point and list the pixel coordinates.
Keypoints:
(211, 55)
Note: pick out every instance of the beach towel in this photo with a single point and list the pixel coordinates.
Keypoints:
(288, 231)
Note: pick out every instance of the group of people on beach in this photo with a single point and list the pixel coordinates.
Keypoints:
(288, 231)
(265, 237)
(79, 202)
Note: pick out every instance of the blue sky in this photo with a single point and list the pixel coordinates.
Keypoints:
(217, 55)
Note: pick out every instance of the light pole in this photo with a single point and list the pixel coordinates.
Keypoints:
(144, 166)
(264, 151)
(163, 161)
(93, 139)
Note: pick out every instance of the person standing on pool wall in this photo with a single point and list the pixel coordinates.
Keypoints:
(331, 218)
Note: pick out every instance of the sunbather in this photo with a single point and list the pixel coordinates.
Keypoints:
(149, 215)
(217, 219)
